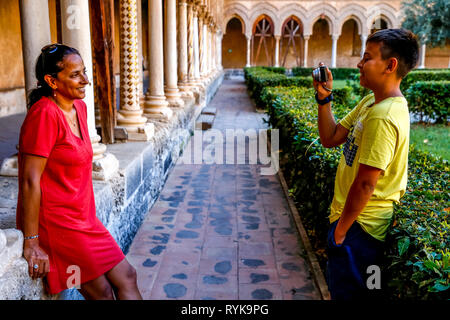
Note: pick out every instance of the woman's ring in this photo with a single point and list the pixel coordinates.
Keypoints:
(35, 266)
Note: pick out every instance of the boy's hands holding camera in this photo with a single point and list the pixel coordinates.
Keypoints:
(321, 87)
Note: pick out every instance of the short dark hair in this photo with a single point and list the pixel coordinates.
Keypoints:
(398, 43)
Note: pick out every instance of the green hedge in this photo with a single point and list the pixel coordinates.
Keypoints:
(430, 99)
(424, 75)
(418, 258)
(257, 78)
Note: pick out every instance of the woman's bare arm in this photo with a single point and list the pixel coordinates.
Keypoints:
(33, 167)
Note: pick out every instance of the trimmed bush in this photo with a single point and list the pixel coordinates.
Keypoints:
(257, 78)
(280, 70)
(424, 75)
(417, 262)
(430, 99)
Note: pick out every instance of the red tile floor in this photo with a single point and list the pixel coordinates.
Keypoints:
(222, 231)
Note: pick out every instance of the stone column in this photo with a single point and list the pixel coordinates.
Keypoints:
(363, 44)
(190, 47)
(156, 105)
(206, 47)
(212, 54)
(196, 46)
(183, 49)
(210, 48)
(202, 36)
(35, 26)
(140, 54)
(277, 51)
(423, 48)
(76, 33)
(249, 39)
(170, 55)
(305, 51)
(130, 113)
(334, 38)
(219, 50)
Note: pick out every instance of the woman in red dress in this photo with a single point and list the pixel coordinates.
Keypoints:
(64, 241)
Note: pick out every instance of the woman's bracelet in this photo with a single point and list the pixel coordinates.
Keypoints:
(31, 237)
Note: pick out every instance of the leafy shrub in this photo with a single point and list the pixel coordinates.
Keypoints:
(424, 75)
(280, 70)
(430, 99)
(257, 78)
(417, 257)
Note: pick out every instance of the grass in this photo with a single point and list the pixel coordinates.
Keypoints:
(337, 84)
(431, 138)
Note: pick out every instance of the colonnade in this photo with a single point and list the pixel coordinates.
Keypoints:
(178, 68)
(306, 38)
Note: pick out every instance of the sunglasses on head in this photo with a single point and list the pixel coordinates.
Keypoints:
(51, 48)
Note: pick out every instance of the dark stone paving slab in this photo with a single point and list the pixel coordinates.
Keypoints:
(222, 231)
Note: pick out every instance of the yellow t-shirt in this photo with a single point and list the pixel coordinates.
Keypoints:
(378, 137)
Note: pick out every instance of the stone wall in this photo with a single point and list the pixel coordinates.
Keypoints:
(122, 202)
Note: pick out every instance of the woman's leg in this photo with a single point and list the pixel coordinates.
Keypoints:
(97, 289)
(123, 279)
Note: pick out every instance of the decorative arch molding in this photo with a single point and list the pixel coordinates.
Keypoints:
(237, 10)
(268, 10)
(355, 12)
(385, 11)
(296, 10)
(330, 15)
(232, 17)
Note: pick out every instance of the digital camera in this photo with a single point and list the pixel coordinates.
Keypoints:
(320, 74)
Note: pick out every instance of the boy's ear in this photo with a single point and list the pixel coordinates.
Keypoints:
(392, 65)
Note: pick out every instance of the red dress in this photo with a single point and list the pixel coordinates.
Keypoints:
(69, 230)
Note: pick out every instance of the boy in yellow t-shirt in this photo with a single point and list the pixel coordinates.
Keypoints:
(372, 171)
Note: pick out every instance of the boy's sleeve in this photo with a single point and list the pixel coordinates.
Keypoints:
(39, 133)
(348, 120)
(378, 143)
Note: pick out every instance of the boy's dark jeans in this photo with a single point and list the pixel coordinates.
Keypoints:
(347, 264)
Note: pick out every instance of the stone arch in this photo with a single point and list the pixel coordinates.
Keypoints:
(296, 10)
(355, 12)
(234, 16)
(237, 10)
(384, 11)
(328, 12)
(268, 10)
(291, 42)
(234, 45)
(262, 43)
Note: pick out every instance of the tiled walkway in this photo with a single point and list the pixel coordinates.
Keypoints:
(222, 231)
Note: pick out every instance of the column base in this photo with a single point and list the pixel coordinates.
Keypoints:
(105, 168)
(157, 108)
(10, 167)
(142, 133)
(173, 96)
(185, 91)
(97, 147)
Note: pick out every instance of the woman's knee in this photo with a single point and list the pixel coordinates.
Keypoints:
(131, 274)
(123, 275)
(98, 289)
